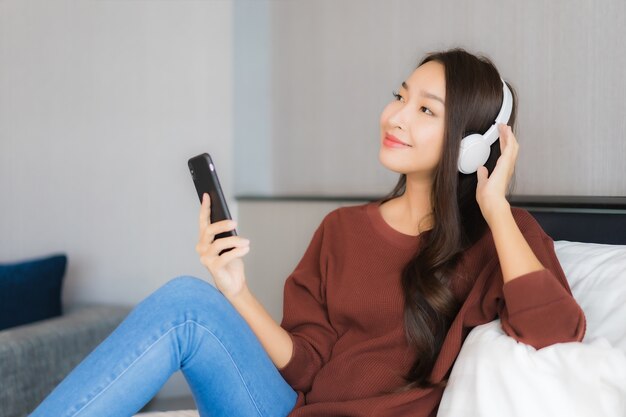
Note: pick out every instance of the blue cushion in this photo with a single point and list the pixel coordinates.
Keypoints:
(30, 290)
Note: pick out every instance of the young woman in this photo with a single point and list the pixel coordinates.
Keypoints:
(377, 309)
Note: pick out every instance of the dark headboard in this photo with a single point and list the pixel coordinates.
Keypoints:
(573, 218)
(579, 219)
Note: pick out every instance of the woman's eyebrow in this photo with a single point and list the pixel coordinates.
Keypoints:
(424, 93)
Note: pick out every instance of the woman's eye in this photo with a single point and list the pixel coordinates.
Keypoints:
(430, 112)
(399, 97)
(396, 95)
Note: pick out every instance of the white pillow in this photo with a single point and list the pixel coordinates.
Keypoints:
(494, 375)
(596, 274)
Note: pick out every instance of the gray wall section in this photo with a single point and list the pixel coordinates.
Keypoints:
(101, 104)
(335, 63)
(252, 97)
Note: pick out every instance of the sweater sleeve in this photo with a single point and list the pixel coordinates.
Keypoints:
(305, 315)
(537, 308)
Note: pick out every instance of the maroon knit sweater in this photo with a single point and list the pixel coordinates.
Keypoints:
(344, 309)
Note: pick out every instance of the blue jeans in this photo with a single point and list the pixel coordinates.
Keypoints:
(186, 324)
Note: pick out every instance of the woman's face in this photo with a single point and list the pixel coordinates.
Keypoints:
(415, 117)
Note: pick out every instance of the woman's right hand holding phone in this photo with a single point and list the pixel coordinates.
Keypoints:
(227, 269)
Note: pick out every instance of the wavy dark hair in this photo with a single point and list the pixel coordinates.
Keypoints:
(473, 100)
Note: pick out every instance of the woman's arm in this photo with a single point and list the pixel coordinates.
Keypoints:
(515, 255)
(539, 309)
(228, 272)
(275, 339)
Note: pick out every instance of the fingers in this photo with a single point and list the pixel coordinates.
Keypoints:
(227, 242)
(208, 233)
(508, 143)
(502, 128)
(226, 257)
(210, 255)
(481, 174)
(205, 212)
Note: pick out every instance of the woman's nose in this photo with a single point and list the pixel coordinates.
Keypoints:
(397, 117)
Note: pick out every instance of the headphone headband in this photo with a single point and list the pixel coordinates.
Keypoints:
(492, 134)
(475, 148)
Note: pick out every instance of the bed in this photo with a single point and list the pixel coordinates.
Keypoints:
(496, 376)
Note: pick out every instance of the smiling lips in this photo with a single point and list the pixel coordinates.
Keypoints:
(393, 142)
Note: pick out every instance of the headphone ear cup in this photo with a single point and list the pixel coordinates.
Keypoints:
(473, 152)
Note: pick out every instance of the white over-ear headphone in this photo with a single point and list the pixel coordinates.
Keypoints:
(474, 149)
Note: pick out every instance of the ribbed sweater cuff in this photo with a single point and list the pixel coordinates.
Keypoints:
(292, 371)
(532, 290)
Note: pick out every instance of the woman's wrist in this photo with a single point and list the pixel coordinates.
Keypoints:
(496, 210)
(244, 295)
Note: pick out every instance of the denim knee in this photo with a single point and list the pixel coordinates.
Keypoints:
(187, 291)
(187, 282)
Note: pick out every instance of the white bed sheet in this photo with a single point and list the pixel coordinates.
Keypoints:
(495, 375)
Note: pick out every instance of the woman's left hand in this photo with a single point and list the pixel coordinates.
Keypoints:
(491, 191)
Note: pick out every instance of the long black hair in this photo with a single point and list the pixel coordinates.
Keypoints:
(473, 100)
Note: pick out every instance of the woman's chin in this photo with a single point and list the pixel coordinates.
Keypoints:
(403, 165)
(392, 162)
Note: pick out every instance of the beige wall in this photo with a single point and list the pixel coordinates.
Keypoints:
(335, 63)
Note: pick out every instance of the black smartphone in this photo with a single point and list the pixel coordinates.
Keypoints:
(205, 179)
